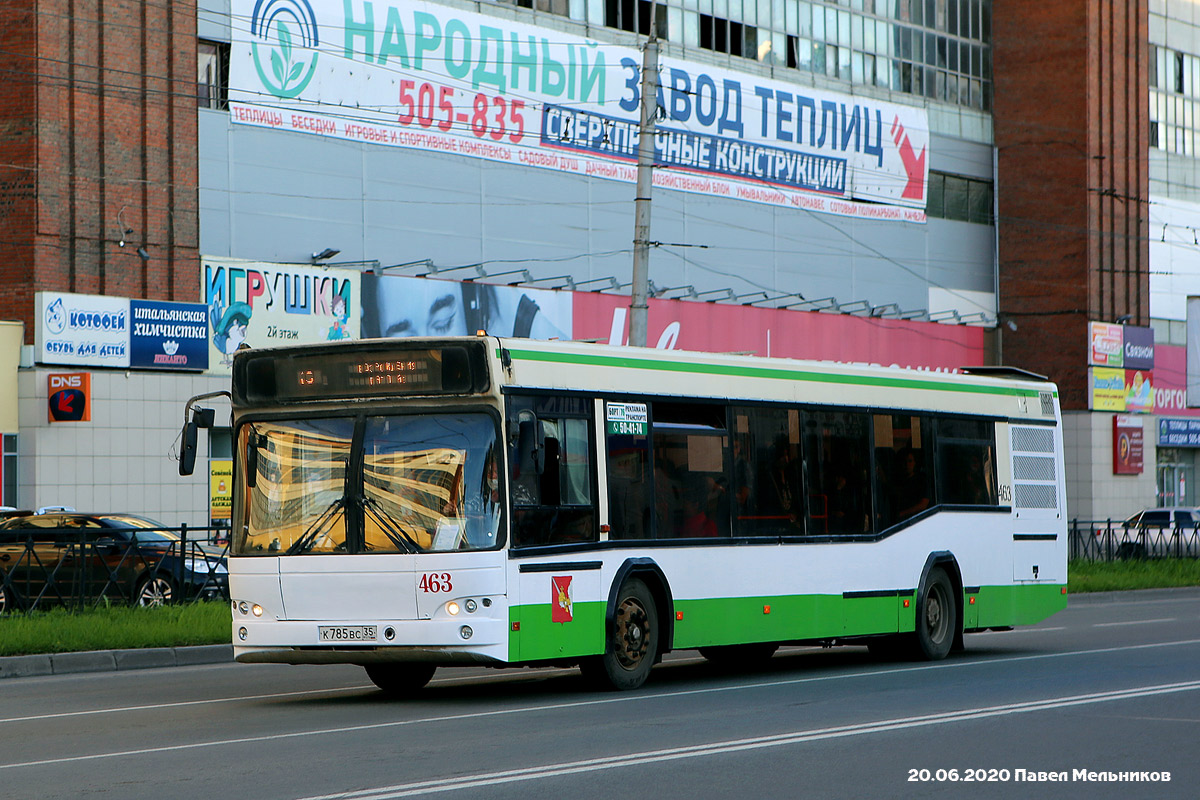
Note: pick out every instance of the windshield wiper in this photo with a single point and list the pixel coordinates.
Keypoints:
(316, 528)
(391, 526)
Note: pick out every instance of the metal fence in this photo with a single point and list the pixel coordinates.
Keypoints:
(56, 567)
(1106, 540)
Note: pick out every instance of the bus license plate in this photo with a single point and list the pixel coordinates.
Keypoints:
(348, 633)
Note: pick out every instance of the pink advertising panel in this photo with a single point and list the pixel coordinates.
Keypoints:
(780, 333)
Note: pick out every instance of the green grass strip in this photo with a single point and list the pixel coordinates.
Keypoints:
(1118, 576)
(115, 628)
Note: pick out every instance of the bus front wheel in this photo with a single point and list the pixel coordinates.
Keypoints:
(631, 645)
(937, 617)
(400, 680)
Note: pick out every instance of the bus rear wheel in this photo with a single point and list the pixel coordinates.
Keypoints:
(937, 617)
(400, 680)
(631, 645)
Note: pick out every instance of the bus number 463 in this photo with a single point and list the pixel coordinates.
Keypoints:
(434, 582)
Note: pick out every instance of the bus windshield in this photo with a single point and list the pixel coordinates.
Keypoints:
(376, 484)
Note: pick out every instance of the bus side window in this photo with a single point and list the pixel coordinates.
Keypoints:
(551, 471)
(767, 492)
(837, 452)
(903, 467)
(966, 465)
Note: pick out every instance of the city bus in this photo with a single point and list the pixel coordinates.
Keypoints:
(404, 504)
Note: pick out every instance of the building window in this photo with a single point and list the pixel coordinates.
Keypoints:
(212, 74)
(634, 16)
(560, 7)
(726, 36)
(957, 198)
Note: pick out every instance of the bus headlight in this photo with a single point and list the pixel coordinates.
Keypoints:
(466, 632)
(470, 605)
(256, 610)
(452, 608)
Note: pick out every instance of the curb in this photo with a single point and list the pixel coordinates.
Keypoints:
(113, 660)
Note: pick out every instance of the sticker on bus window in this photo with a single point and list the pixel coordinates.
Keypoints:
(560, 599)
(627, 418)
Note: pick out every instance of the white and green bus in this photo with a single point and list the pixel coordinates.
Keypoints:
(405, 504)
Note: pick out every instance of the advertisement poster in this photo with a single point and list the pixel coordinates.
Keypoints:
(168, 335)
(435, 78)
(268, 305)
(81, 329)
(220, 494)
(1106, 346)
(394, 305)
(1139, 391)
(1128, 445)
(1107, 389)
(780, 333)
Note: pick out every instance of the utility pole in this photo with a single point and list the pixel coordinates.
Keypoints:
(639, 305)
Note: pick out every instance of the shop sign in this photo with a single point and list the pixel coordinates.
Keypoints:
(1106, 389)
(168, 335)
(1106, 346)
(1128, 445)
(1138, 347)
(70, 396)
(1178, 432)
(262, 304)
(81, 329)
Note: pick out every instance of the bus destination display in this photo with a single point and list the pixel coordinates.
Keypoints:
(317, 375)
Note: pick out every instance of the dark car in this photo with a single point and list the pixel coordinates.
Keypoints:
(68, 557)
(1161, 532)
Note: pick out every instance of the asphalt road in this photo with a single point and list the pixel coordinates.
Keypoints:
(1112, 685)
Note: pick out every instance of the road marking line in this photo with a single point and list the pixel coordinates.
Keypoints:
(490, 779)
(628, 698)
(1132, 622)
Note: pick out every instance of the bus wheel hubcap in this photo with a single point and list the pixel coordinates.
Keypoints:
(631, 634)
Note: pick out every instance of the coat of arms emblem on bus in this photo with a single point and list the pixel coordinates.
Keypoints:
(560, 599)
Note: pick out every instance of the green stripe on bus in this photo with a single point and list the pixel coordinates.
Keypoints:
(718, 621)
(775, 373)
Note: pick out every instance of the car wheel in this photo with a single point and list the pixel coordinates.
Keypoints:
(400, 680)
(154, 590)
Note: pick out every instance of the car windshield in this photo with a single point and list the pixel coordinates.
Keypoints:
(383, 484)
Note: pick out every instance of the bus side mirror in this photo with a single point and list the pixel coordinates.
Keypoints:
(187, 449)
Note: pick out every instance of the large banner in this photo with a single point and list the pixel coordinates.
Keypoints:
(265, 305)
(417, 75)
(781, 333)
(395, 305)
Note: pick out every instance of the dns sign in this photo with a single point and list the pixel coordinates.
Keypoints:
(70, 396)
